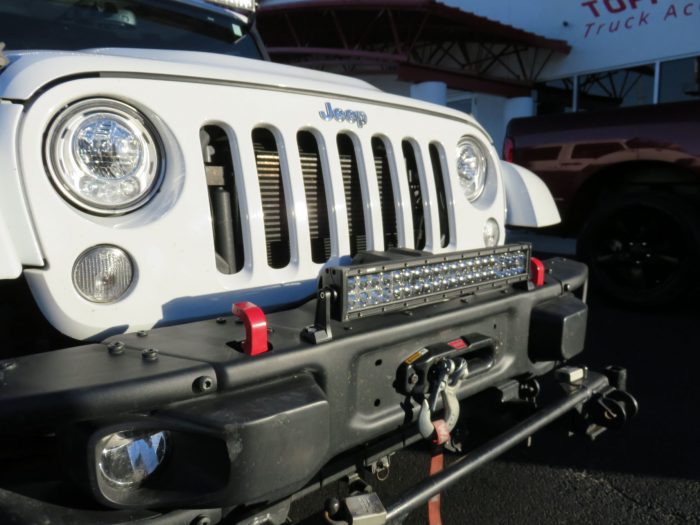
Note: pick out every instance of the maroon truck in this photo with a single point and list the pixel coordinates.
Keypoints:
(627, 183)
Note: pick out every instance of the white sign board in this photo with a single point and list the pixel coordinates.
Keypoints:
(603, 34)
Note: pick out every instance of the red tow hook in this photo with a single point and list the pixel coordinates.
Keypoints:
(255, 324)
(536, 272)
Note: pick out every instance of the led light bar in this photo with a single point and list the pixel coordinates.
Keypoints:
(246, 5)
(385, 286)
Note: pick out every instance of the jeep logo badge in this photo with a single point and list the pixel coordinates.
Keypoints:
(342, 115)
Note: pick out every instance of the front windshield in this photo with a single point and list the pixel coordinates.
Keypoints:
(153, 24)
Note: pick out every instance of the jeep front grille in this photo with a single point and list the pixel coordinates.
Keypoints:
(416, 193)
(319, 203)
(436, 163)
(315, 191)
(223, 199)
(386, 193)
(354, 202)
(274, 206)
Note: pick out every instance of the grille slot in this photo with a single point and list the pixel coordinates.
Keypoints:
(226, 216)
(354, 201)
(274, 204)
(416, 195)
(439, 176)
(386, 193)
(223, 199)
(316, 203)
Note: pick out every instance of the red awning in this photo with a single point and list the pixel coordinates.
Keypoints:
(416, 36)
(443, 18)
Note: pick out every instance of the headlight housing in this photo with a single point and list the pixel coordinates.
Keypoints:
(104, 156)
(472, 167)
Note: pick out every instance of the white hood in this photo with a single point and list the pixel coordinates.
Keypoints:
(30, 71)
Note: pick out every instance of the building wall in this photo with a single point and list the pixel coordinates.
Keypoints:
(491, 111)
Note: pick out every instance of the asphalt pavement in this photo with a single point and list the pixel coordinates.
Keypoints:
(647, 472)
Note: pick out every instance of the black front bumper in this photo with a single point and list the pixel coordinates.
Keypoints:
(250, 430)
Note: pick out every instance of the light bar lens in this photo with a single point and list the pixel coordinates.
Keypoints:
(246, 5)
(377, 288)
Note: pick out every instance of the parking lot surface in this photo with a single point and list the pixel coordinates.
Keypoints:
(648, 472)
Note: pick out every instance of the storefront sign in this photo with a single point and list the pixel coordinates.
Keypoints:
(612, 16)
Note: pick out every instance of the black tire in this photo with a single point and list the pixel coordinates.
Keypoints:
(642, 248)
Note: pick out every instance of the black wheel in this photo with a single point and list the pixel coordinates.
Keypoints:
(642, 248)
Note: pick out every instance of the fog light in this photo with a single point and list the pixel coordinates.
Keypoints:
(492, 233)
(128, 458)
(103, 274)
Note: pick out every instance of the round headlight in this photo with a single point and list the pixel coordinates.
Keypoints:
(104, 156)
(128, 458)
(103, 274)
(472, 168)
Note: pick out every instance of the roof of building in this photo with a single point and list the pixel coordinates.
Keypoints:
(418, 39)
(444, 18)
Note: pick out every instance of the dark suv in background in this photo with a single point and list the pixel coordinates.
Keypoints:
(627, 183)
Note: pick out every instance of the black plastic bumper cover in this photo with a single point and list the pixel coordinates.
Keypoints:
(278, 417)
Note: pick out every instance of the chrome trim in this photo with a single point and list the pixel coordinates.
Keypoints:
(287, 90)
(343, 115)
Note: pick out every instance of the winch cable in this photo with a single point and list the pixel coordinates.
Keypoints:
(423, 491)
(437, 463)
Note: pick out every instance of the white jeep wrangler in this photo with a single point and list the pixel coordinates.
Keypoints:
(152, 184)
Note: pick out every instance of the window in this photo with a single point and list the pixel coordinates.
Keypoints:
(616, 89)
(680, 80)
(462, 104)
(150, 24)
(555, 96)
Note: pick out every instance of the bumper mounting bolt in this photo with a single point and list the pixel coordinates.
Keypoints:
(201, 520)
(142, 333)
(203, 384)
(149, 354)
(116, 348)
(220, 320)
(332, 507)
